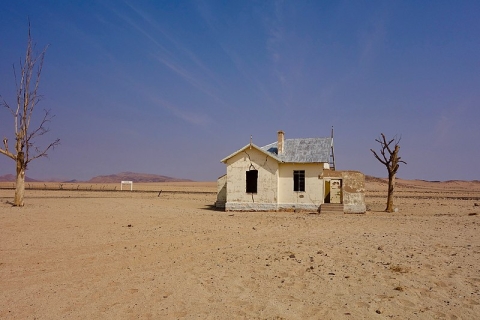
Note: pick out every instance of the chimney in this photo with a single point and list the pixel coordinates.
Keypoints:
(281, 142)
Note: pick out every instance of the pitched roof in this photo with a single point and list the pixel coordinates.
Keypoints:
(273, 155)
(306, 150)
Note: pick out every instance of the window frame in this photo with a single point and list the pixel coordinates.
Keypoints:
(299, 180)
(251, 181)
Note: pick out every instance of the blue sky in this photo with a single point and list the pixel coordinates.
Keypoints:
(172, 87)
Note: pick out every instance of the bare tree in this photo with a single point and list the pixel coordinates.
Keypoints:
(25, 148)
(390, 159)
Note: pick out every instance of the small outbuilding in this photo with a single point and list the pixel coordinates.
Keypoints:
(289, 174)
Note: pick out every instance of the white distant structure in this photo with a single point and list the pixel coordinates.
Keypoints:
(126, 182)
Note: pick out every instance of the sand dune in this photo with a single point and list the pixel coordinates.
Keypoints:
(128, 255)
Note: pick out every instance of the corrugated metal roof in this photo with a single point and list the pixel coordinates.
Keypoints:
(303, 150)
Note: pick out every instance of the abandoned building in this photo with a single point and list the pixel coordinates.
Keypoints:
(289, 174)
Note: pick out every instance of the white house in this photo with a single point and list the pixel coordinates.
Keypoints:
(289, 174)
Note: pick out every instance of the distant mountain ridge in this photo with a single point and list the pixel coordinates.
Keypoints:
(385, 180)
(147, 177)
(112, 178)
(13, 178)
(135, 177)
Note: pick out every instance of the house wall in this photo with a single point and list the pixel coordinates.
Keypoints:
(267, 191)
(353, 189)
(354, 192)
(221, 192)
(311, 198)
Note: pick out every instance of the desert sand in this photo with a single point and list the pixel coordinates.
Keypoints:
(87, 254)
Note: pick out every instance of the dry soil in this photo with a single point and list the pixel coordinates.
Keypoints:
(92, 252)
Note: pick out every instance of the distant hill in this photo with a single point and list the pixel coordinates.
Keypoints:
(113, 178)
(375, 179)
(13, 178)
(400, 180)
(135, 177)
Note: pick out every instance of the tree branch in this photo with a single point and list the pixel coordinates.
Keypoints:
(378, 158)
(44, 152)
(390, 157)
(8, 154)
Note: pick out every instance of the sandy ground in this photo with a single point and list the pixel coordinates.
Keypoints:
(81, 254)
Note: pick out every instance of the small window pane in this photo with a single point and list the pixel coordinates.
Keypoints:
(252, 177)
(299, 180)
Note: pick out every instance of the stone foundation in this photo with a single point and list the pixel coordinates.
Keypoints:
(249, 206)
(354, 208)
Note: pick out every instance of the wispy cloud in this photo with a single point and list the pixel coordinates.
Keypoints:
(284, 50)
(276, 38)
(169, 58)
(452, 120)
(443, 128)
(199, 119)
(182, 112)
(273, 32)
(251, 77)
(371, 39)
(206, 14)
(180, 47)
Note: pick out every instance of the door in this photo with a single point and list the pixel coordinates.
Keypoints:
(327, 192)
(335, 191)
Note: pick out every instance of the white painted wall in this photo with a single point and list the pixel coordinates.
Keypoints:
(267, 191)
(221, 191)
(313, 184)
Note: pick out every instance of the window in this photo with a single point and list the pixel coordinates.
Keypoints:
(298, 180)
(252, 176)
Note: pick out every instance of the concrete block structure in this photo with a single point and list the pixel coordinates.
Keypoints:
(287, 175)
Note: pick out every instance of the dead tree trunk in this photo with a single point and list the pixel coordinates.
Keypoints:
(391, 161)
(20, 182)
(26, 149)
(391, 190)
